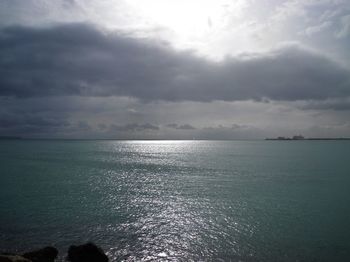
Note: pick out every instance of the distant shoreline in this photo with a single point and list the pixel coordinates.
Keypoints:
(311, 138)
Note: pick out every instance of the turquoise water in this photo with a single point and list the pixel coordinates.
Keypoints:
(179, 200)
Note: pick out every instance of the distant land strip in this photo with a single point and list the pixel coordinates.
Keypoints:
(310, 138)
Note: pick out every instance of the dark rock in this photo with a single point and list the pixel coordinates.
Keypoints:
(13, 258)
(46, 254)
(88, 252)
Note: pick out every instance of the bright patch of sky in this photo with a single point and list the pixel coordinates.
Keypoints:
(214, 28)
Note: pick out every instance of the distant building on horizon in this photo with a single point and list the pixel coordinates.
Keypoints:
(296, 137)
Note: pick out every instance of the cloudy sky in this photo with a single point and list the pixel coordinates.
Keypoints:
(174, 69)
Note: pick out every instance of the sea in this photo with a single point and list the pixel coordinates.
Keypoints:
(178, 200)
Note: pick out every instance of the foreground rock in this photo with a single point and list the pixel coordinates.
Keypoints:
(46, 254)
(13, 258)
(88, 252)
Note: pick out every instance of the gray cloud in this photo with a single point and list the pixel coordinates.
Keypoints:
(345, 27)
(134, 127)
(76, 80)
(236, 131)
(317, 28)
(182, 127)
(78, 59)
(108, 117)
(19, 124)
(83, 126)
(339, 104)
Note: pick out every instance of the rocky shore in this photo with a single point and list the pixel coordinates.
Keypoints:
(88, 252)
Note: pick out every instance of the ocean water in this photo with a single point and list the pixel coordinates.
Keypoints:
(179, 200)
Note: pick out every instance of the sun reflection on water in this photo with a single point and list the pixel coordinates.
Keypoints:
(168, 212)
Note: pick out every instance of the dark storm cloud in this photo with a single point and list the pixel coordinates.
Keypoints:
(79, 59)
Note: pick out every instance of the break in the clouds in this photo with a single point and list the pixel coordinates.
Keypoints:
(129, 69)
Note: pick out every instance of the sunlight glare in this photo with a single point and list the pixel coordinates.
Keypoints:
(186, 18)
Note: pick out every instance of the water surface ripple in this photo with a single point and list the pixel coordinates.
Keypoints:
(179, 200)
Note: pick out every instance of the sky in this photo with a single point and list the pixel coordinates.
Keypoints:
(174, 69)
